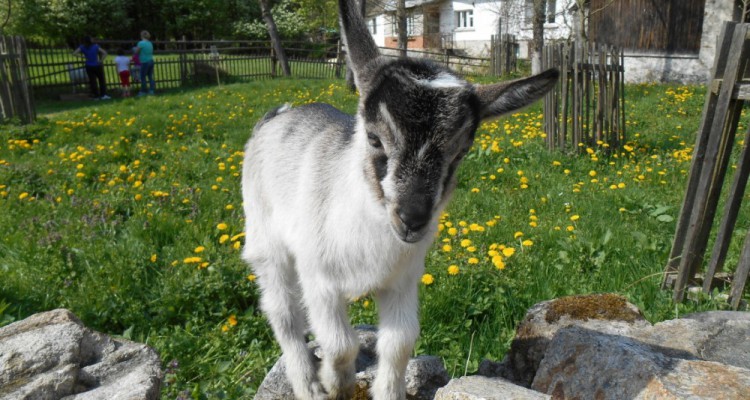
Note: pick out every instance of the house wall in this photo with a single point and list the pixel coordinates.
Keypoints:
(510, 13)
(683, 68)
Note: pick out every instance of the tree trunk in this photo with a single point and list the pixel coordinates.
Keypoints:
(275, 39)
(537, 43)
(349, 73)
(401, 22)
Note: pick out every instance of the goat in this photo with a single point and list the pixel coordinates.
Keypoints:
(338, 206)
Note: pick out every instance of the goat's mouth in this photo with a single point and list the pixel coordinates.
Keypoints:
(406, 233)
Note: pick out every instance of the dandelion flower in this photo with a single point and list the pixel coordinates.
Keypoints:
(251, 278)
(527, 243)
(447, 248)
(232, 320)
(199, 249)
(223, 239)
(574, 217)
(222, 226)
(453, 270)
(517, 235)
(509, 251)
(473, 260)
(427, 279)
(497, 261)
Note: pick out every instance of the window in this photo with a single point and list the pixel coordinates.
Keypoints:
(551, 5)
(465, 19)
(410, 24)
(372, 25)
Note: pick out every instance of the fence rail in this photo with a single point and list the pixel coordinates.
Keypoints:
(587, 106)
(503, 54)
(16, 100)
(53, 70)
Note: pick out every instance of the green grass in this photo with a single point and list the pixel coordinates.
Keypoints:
(129, 214)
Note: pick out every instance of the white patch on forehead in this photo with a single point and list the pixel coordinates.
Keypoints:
(423, 151)
(443, 80)
(388, 118)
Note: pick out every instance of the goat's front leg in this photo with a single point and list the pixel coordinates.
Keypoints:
(329, 321)
(398, 329)
(282, 304)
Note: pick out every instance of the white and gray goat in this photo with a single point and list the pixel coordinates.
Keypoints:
(338, 206)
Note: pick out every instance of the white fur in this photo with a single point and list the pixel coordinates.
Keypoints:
(443, 80)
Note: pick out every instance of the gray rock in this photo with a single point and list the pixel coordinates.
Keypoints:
(582, 363)
(601, 312)
(483, 388)
(424, 374)
(52, 355)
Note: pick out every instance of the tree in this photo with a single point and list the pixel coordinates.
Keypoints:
(401, 23)
(320, 17)
(275, 39)
(537, 42)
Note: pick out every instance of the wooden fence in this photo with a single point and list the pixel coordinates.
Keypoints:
(586, 108)
(16, 100)
(503, 54)
(727, 95)
(53, 70)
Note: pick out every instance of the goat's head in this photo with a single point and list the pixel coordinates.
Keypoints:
(419, 120)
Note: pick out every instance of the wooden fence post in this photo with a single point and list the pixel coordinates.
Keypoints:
(710, 159)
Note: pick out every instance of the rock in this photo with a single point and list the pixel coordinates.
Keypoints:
(583, 363)
(601, 312)
(52, 355)
(424, 374)
(484, 388)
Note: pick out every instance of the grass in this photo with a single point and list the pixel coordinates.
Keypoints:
(128, 213)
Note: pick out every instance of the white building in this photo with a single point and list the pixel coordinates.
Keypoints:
(466, 25)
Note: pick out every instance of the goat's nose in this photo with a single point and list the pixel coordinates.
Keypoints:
(414, 216)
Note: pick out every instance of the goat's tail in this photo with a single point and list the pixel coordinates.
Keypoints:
(271, 114)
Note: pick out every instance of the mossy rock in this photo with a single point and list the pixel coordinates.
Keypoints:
(609, 307)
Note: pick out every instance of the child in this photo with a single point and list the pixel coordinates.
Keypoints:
(123, 69)
(136, 66)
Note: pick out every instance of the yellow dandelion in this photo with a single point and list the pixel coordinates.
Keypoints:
(222, 226)
(527, 243)
(453, 270)
(509, 251)
(517, 235)
(473, 260)
(427, 279)
(199, 249)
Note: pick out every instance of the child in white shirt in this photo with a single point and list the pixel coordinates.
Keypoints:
(123, 69)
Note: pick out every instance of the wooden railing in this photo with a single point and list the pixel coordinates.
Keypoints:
(714, 144)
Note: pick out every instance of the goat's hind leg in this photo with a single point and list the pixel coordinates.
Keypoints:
(281, 302)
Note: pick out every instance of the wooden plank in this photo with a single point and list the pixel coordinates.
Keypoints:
(701, 141)
(734, 200)
(711, 175)
(740, 275)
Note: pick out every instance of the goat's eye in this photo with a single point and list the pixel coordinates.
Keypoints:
(374, 140)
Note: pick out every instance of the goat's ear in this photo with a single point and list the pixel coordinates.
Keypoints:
(360, 46)
(502, 98)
